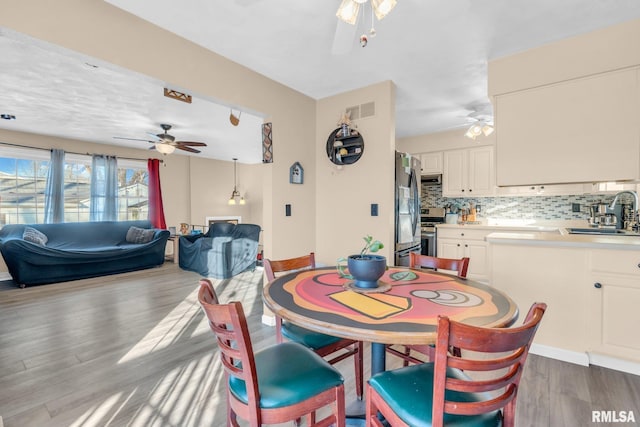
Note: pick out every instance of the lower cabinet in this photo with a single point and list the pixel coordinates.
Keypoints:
(550, 274)
(614, 303)
(457, 243)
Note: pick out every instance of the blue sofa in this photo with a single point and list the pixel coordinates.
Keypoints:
(79, 250)
(224, 251)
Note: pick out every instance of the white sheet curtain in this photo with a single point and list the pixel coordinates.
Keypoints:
(54, 191)
(104, 188)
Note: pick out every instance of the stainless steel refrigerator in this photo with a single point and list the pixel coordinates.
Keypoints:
(407, 207)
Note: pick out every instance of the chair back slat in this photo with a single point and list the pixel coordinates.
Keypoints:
(229, 324)
(493, 343)
(459, 265)
(278, 266)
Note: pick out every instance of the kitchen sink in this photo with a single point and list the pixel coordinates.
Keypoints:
(602, 231)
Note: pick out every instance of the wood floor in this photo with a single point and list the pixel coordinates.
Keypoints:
(134, 350)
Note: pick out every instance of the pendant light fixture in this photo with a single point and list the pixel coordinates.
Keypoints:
(235, 194)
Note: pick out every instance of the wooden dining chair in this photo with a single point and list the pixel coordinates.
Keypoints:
(278, 384)
(424, 261)
(444, 392)
(333, 348)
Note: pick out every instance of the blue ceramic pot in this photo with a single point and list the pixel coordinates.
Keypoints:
(366, 269)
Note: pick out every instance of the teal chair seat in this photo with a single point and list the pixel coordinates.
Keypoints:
(313, 340)
(288, 373)
(409, 393)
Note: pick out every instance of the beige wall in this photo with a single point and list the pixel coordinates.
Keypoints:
(344, 196)
(97, 29)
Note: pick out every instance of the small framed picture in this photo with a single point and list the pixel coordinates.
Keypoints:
(296, 173)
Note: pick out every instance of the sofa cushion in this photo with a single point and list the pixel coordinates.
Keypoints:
(34, 236)
(139, 235)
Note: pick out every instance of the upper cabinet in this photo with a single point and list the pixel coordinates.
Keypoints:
(469, 172)
(581, 130)
(431, 163)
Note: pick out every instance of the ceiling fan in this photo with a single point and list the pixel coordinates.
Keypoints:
(166, 144)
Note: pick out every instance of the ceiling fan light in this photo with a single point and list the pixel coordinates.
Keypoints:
(231, 201)
(348, 11)
(487, 129)
(165, 148)
(242, 201)
(470, 135)
(382, 7)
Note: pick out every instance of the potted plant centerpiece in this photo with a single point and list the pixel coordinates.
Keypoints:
(365, 268)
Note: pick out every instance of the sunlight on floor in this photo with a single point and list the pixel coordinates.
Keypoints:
(168, 330)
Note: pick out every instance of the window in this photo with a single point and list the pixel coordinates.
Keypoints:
(23, 175)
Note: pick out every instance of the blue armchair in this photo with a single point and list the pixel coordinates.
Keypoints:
(222, 252)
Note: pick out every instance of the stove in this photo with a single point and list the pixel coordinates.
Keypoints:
(429, 218)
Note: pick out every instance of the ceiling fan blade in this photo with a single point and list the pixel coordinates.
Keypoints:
(344, 37)
(185, 148)
(132, 139)
(193, 144)
(158, 137)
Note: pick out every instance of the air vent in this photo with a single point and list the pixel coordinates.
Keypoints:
(368, 109)
(354, 112)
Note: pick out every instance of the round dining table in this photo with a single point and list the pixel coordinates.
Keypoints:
(404, 310)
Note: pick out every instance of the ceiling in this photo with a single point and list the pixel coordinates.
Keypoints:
(436, 53)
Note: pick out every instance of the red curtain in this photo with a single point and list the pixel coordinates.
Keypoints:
(156, 210)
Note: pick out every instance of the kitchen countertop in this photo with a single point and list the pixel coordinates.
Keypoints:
(547, 233)
(562, 238)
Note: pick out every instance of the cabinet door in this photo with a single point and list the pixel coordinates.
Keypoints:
(614, 315)
(477, 253)
(481, 172)
(431, 163)
(450, 248)
(454, 174)
(582, 130)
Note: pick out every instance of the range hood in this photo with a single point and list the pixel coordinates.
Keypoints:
(432, 179)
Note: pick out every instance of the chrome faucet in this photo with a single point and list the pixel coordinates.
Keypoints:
(634, 220)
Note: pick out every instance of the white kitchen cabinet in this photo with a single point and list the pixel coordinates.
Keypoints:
(614, 303)
(431, 163)
(545, 190)
(580, 130)
(553, 275)
(469, 172)
(458, 243)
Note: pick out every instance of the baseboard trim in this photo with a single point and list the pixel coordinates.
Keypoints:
(574, 357)
(586, 359)
(268, 320)
(614, 363)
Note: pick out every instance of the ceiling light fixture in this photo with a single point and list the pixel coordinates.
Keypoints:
(165, 148)
(235, 194)
(7, 116)
(348, 10)
(479, 128)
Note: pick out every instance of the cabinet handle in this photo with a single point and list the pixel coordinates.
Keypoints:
(458, 244)
(466, 246)
(462, 234)
(597, 285)
(463, 190)
(639, 265)
(470, 190)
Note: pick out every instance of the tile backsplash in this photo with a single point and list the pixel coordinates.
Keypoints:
(533, 207)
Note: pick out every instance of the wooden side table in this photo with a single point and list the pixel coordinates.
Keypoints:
(176, 249)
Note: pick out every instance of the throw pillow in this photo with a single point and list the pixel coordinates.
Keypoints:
(34, 236)
(139, 235)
